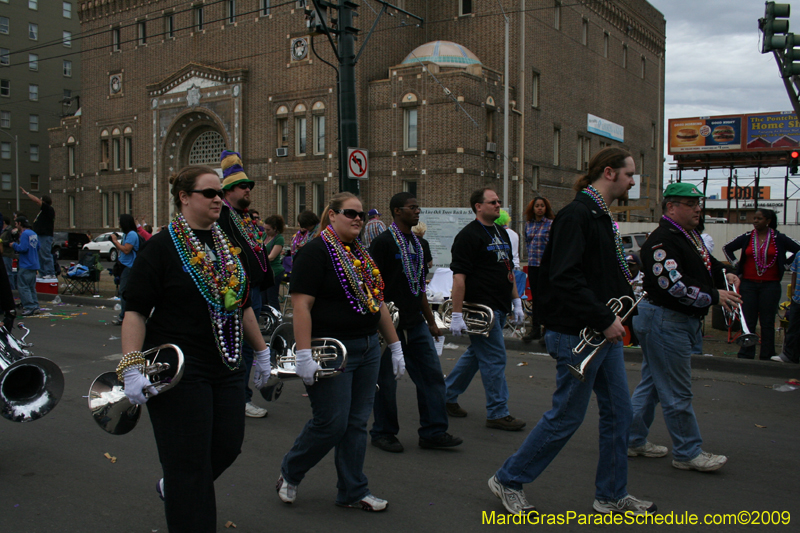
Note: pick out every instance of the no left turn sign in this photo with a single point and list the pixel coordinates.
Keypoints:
(357, 164)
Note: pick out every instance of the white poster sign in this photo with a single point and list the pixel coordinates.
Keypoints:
(444, 223)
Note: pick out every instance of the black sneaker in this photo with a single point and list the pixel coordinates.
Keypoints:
(443, 440)
(388, 443)
(455, 410)
(507, 423)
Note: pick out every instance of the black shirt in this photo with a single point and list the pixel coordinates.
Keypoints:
(580, 270)
(675, 275)
(483, 254)
(159, 283)
(44, 221)
(386, 253)
(426, 252)
(259, 271)
(332, 315)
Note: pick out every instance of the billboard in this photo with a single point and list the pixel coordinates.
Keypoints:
(705, 134)
(756, 132)
(746, 193)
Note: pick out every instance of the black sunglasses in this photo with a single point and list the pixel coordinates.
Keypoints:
(210, 192)
(245, 185)
(352, 214)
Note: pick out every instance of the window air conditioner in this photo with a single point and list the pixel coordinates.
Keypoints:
(103, 165)
(282, 152)
(491, 147)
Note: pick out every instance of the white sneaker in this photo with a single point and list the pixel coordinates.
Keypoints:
(625, 505)
(513, 500)
(367, 503)
(254, 411)
(648, 450)
(705, 462)
(286, 492)
(781, 358)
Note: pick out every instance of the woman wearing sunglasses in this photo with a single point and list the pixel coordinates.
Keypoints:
(191, 279)
(337, 291)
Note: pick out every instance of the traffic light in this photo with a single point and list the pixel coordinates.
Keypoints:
(791, 56)
(794, 161)
(775, 21)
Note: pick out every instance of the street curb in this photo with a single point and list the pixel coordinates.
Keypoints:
(748, 367)
(76, 300)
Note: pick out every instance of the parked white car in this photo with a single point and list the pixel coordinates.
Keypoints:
(104, 245)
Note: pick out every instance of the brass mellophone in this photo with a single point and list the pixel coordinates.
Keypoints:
(479, 318)
(597, 340)
(746, 339)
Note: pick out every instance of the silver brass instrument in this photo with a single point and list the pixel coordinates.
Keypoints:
(479, 318)
(112, 410)
(330, 353)
(746, 339)
(30, 387)
(597, 340)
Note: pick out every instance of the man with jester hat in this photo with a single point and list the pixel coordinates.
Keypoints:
(242, 232)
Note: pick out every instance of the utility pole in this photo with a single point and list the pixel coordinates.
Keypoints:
(346, 56)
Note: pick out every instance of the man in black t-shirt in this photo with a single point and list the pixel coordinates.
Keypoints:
(43, 226)
(483, 274)
(400, 258)
(236, 223)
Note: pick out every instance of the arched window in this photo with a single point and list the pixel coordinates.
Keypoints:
(409, 104)
(282, 126)
(104, 149)
(71, 156)
(116, 149)
(300, 129)
(206, 148)
(128, 132)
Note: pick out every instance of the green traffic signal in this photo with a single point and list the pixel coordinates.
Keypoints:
(775, 21)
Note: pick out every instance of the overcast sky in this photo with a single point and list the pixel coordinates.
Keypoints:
(714, 64)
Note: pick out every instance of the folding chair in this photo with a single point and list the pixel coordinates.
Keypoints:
(81, 284)
(521, 279)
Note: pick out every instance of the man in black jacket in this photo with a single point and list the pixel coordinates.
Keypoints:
(680, 277)
(582, 268)
(235, 221)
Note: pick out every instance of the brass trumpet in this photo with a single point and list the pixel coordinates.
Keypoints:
(479, 318)
(330, 353)
(112, 410)
(597, 340)
(746, 339)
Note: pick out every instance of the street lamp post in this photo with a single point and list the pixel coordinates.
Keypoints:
(16, 162)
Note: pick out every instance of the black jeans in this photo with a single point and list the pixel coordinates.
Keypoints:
(760, 304)
(199, 429)
(791, 343)
(533, 281)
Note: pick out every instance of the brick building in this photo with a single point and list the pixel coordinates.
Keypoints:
(166, 83)
(39, 84)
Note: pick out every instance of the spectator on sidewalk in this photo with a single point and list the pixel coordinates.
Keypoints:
(43, 226)
(127, 254)
(28, 250)
(6, 238)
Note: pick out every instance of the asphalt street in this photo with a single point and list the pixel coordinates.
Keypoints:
(55, 477)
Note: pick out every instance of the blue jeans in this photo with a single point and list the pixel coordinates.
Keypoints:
(668, 340)
(487, 354)
(46, 256)
(341, 406)
(123, 284)
(605, 375)
(759, 304)
(247, 350)
(12, 276)
(26, 285)
(422, 365)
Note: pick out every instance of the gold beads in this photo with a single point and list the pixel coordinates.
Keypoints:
(357, 263)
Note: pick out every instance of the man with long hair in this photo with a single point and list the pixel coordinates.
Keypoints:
(582, 268)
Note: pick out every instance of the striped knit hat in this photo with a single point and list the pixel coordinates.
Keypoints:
(232, 171)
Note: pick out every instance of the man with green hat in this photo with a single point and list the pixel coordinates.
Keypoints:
(682, 281)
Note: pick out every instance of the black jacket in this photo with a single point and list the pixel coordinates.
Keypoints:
(675, 275)
(254, 266)
(782, 242)
(580, 270)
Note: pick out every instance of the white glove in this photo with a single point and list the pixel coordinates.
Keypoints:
(135, 385)
(398, 361)
(262, 368)
(519, 315)
(457, 324)
(306, 367)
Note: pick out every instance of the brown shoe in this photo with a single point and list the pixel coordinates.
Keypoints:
(507, 423)
(455, 410)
